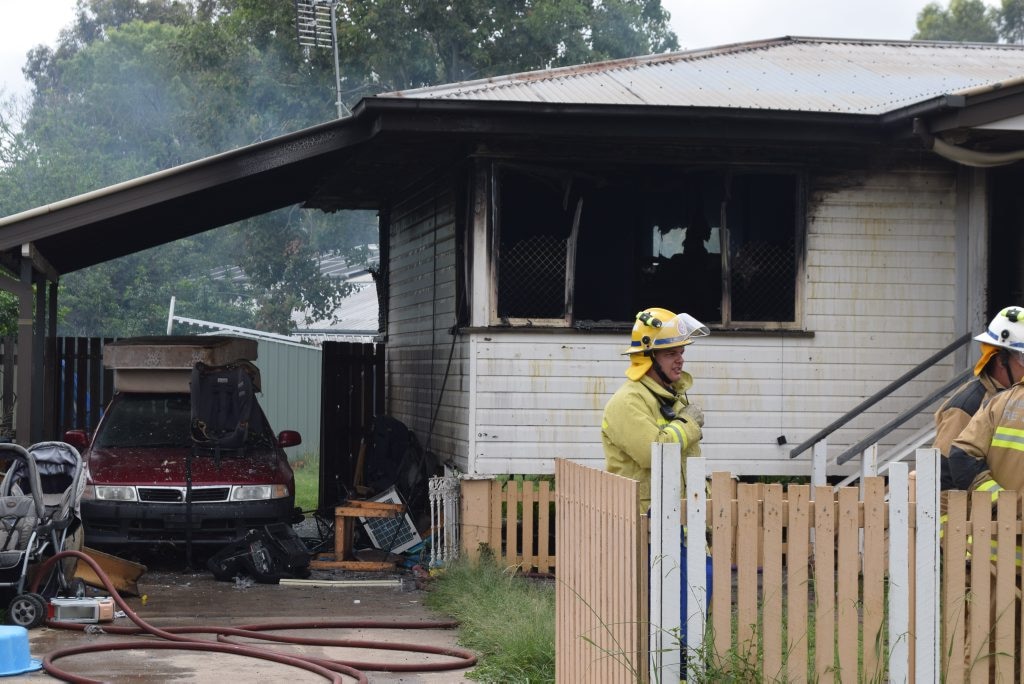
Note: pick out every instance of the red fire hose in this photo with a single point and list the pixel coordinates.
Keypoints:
(329, 669)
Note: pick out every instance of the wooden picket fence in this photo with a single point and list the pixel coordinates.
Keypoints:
(513, 520)
(803, 586)
(809, 583)
(981, 606)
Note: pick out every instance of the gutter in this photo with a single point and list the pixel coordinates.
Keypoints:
(963, 155)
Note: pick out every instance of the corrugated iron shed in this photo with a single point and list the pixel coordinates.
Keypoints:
(842, 76)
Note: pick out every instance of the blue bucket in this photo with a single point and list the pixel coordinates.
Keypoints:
(14, 655)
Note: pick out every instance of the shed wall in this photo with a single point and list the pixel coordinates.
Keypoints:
(290, 376)
(879, 299)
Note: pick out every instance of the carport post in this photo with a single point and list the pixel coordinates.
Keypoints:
(38, 338)
(23, 404)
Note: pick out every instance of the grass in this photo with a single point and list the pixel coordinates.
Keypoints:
(508, 620)
(307, 481)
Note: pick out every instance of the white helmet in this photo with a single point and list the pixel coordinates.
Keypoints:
(1006, 330)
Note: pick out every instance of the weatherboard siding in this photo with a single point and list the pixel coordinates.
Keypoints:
(421, 313)
(879, 297)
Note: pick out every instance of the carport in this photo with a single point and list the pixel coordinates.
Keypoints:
(331, 166)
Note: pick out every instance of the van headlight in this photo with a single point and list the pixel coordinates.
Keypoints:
(258, 492)
(110, 493)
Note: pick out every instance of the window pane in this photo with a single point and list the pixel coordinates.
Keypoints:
(649, 240)
(534, 227)
(761, 220)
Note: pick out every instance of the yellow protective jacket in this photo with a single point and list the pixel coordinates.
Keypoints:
(989, 453)
(633, 421)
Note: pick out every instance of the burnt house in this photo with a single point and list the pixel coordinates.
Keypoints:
(836, 211)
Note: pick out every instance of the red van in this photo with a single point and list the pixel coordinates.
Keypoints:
(149, 481)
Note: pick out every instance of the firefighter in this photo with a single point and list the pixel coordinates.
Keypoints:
(992, 375)
(988, 455)
(652, 406)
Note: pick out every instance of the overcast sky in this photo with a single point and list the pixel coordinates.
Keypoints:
(698, 23)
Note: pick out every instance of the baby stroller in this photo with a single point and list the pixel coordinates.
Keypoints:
(40, 516)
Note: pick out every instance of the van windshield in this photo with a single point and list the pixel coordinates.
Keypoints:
(163, 421)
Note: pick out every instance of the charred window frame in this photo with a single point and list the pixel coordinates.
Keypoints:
(589, 249)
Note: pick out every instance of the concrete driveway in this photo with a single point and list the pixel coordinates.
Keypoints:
(183, 598)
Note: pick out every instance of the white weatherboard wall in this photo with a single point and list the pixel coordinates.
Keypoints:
(879, 297)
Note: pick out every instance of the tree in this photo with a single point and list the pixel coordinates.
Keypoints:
(1011, 21)
(399, 44)
(962, 21)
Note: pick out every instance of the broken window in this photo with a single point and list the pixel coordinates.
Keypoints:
(597, 247)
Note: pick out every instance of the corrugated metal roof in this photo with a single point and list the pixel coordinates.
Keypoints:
(792, 74)
(358, 314)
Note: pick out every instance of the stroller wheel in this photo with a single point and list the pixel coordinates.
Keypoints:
(27, 610)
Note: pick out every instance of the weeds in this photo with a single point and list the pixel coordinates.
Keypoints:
(507, 619)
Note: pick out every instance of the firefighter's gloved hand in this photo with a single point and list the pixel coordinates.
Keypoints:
(694, 413)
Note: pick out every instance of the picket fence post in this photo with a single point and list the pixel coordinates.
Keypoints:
(696, 553)
(926, 607)
(665, 562)
(899, 573)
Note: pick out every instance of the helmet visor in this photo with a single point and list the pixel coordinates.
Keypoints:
(690, 326)
(680, 330)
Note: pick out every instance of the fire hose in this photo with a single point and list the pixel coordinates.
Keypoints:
(175, 639)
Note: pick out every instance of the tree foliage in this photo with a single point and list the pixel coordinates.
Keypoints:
(397, 44)
(1011, 21)
(963, 21)
(137, 86)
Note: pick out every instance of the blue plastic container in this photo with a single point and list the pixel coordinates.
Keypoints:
(14, 655)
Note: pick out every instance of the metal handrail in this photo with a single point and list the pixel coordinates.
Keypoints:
(881, 394)
(902, 418)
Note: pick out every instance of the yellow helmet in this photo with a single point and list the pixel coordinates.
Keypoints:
(659, 329)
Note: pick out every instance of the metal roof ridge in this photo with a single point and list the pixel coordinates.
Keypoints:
(603, 65)
(611, 65)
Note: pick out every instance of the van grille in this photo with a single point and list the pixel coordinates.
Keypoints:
(177, 494)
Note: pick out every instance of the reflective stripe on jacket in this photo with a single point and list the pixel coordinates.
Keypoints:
(633, 421)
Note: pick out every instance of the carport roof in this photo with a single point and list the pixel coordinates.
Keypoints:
(781, 90)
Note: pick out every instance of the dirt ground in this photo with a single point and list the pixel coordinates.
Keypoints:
(176, 597)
